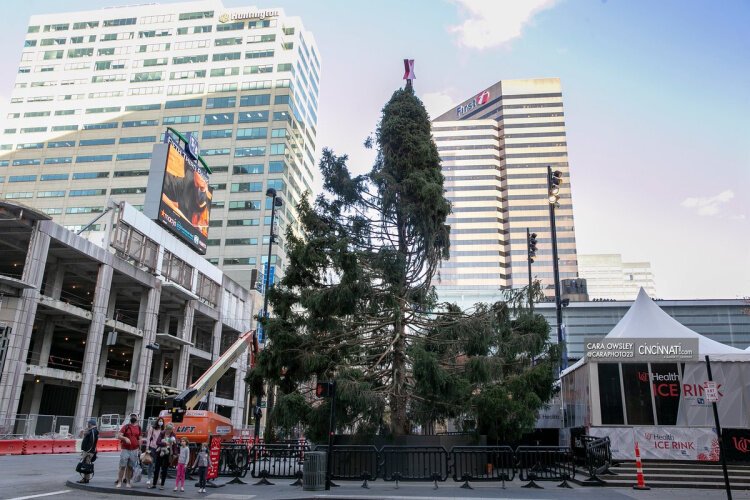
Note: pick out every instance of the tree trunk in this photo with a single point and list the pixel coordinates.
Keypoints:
(399, 421)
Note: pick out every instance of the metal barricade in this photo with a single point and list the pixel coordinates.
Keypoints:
(482, 463)
(545, 463)
(233, 460)
(598, 459)
(353, 462)
(276, 461)
(414, 463)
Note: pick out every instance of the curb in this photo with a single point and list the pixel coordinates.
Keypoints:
(118, 491)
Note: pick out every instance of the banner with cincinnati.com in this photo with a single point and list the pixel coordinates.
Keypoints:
(185, 205)
(641, 349)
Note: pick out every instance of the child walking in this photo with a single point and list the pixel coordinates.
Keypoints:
(202, 463)
(182, 462)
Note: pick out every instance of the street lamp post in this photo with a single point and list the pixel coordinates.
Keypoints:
(554, 179)
(275, 202)
(531, 253)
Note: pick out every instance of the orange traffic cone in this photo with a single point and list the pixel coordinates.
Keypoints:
(639, 470)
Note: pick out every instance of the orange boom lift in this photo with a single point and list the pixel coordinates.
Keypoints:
(198, 425)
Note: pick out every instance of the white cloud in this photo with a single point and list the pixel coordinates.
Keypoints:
(494, 22)
(437, 103)
(709, 205)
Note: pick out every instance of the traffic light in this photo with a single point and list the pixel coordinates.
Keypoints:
(324, 389)
(532, 247)
(554, 181)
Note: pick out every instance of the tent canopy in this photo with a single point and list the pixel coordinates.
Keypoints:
(645, 319)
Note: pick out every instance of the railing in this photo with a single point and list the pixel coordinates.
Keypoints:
(352, 462)
(598, 458)
(414, 463)
(233, 460)
(545, 463)
(37, 426)
(483, 463)
(280, 461)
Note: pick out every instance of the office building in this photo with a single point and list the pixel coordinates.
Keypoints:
(608, 277)
(96, 89)
(495, 148)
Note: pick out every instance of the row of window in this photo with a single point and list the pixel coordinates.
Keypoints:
(208, 119)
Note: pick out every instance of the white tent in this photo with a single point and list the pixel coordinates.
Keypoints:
(678, 421)
(645, 319)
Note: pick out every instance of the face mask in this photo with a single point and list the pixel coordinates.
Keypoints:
(133, 420)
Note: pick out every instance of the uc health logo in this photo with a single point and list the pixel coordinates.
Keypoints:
(742, 444)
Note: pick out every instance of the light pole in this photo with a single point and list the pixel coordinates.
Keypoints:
(554, 179)
(275, 202)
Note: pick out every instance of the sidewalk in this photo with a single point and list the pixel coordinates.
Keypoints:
(387, 490)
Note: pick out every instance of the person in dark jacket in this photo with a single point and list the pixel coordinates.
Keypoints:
(88, 447)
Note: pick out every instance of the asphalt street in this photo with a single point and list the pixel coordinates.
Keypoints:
(45, 477)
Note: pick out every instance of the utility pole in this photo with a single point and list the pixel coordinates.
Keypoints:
(554, 179)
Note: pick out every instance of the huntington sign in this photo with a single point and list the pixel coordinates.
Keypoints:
(256, 14)
(641, 349)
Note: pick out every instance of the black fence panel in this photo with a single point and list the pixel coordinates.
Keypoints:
(233, 460)
(598, 456)
(414, 463)
(281, 461)
(353, 462)
(483, 463)
(545, 463)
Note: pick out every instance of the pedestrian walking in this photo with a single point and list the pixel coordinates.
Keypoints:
(182, 462)
(88, 447)
(154, 432)
(164, 455)
(130, 443)
(201, 463)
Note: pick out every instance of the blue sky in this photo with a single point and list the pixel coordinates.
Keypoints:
(656, 103)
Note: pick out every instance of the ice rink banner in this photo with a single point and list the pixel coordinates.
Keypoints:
(661, 443)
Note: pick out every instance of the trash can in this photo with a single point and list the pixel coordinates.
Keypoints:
(314, 471)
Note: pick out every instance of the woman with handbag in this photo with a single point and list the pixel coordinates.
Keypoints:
(88, 451)
(154, 432)
(163, 456)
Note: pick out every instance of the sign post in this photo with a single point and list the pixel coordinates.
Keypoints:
(710, 390)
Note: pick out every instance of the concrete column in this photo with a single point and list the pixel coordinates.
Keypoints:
(239, 397)
(36, 398)
(215, 353)
(147, 322)
(94, 342)
(18, 343)
(53, 288)
(48, 331)
(184, 353)
(102, 370)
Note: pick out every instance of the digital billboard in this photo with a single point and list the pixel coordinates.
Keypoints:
(185, 204)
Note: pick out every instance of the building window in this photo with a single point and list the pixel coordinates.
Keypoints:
(96, 142)
(255, 100)
(218, 119)
(221, 102)
(247, 187)
(252, 116)
(87, 192)
(93, 158)
(252, 133)
(217, 134)
(89, 175)
(245, 205)
(251, 151)
(248, 169)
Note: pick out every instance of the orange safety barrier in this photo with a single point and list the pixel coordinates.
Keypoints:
(108, 445)
(37, 446)
(64, 446)
(11, 447)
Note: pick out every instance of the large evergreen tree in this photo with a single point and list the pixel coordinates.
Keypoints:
(357, 301)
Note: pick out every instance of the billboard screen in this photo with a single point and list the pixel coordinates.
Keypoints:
(185, 203)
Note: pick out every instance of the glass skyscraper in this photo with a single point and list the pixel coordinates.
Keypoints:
(96, 89)
(495, 148)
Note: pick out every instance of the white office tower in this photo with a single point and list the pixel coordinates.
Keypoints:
(495, 148)
(96, 89)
